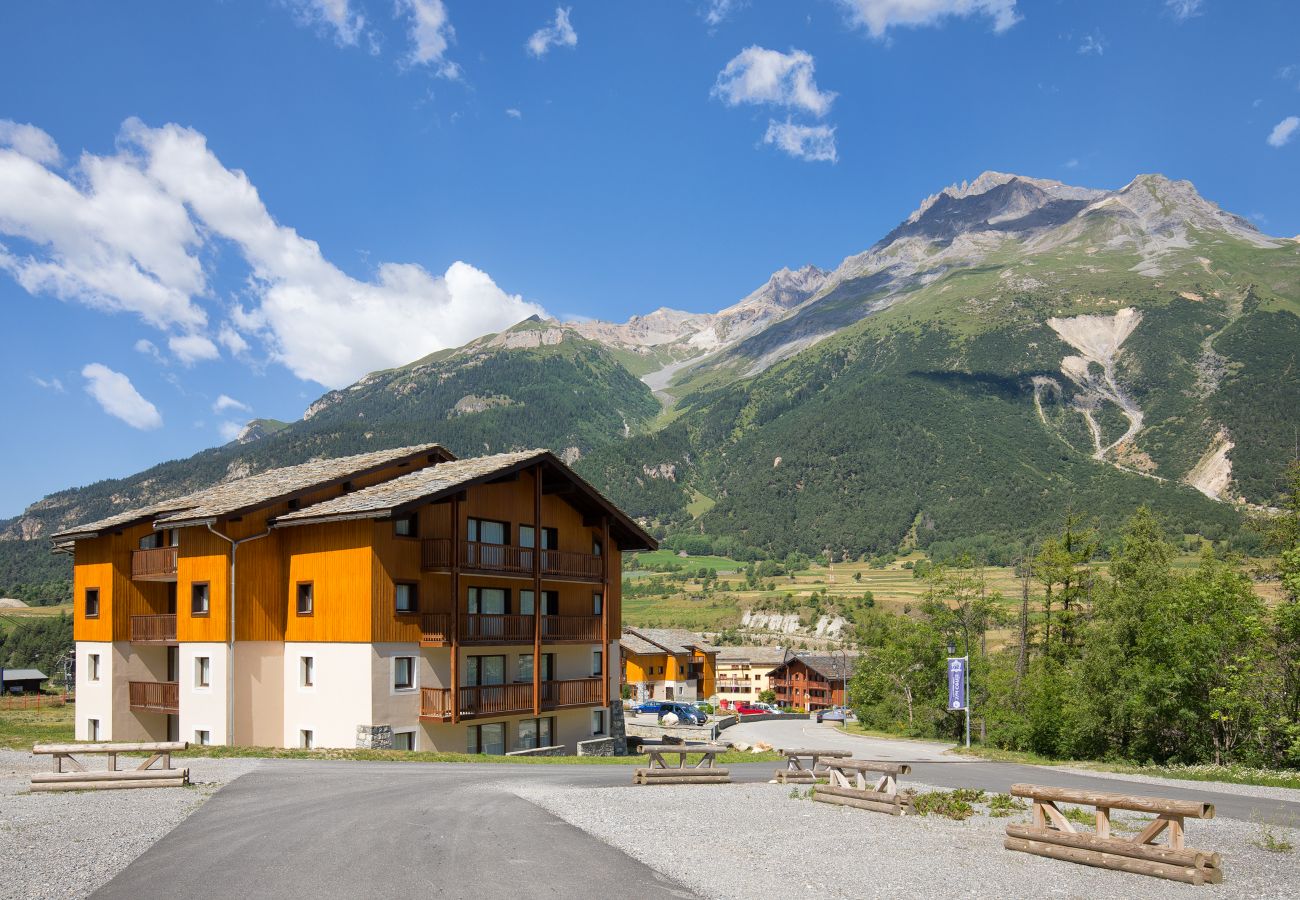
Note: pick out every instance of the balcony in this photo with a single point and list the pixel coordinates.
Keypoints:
(492, 628)
(511, 561)
(506, 699)
(156, 564)
(155, 696)
(153, 629)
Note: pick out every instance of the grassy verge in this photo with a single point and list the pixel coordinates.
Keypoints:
(854, 728)
(431, 756)
(1285, 778)
(20, 728)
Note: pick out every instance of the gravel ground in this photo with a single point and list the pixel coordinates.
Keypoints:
(1218, 787)
(746, 841)
(69, 844)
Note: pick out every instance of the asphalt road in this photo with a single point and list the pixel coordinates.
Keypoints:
(306, 828)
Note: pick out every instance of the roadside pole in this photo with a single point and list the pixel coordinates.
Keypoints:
(959, 685)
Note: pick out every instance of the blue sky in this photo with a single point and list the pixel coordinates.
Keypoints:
(259, 199)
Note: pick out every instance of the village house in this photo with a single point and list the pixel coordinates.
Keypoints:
(745, 672)
(668, 664)
(814, 681)
(398, 598)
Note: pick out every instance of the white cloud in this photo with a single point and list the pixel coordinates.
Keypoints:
(1093, 44)
(336, 15)
(878, 16)
(50, 384)
(559, 33)
(719, 11)
(232, 340)
(225, 402)
(1072, 163)
(759, 75)
(1283, 131)
(150, 349)
(1182, 10)
(118, 397)
(431, 34)
(128, 232)
(30, 141)
(229, 430)
(812, 143)
(514, 113)
(192, 348)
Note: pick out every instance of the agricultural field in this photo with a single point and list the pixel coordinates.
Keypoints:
(12, 618)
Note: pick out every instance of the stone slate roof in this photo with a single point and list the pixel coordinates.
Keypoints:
(638, 645)
(251, 492)
(380, 500)
(664, 640)
(758, 656)
(831, 666)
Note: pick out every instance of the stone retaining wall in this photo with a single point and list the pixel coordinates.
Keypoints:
(636, 731)
(374, 737)
(541, 751)
(605, 746)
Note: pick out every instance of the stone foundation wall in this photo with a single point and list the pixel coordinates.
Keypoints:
(541, 751)
(374, 737)
(605, 746)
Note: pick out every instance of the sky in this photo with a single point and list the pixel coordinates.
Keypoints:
(217, 210)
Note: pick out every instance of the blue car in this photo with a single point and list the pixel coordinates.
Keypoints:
(685, 713)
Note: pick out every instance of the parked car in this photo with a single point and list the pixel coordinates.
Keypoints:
(834, 714)
(686, 714)
(748, 709)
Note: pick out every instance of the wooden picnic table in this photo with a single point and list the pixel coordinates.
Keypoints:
(794, 771)
(704, 771)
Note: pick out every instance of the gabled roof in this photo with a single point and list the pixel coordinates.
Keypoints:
(663, 640)
(758, 656)
(255, 491)
(22, 674)
(831, 666)
(400, 495)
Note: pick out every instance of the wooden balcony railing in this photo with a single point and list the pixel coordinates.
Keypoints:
(506, 559)
(156, 564)
(504, 699)
(581, 629)
(435, 629)
(155, 696)
(494, 628)
(153, 629)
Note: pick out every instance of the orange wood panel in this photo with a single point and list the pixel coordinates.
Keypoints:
(203, 557)
(337, 558)
(93, 568)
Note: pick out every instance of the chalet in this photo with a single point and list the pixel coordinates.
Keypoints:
(745, 672)
(21, 681)
(814, 680)
(668, 664)
(399, 598)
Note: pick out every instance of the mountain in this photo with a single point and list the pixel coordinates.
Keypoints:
(1014, 347)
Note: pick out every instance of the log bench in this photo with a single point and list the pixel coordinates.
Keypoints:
(705, 770)
(1052, 835)
(71, 775)
(849, 786)
(794, 771)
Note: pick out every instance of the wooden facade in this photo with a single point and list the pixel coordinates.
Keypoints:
(813, 683)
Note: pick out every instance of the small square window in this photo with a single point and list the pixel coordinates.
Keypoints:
(306, 598)
(597, 663)
(202, 738)
(200, 599)
(407, 597)
(597, 604)
(306, 739)
(92, 603)
(202, 671)
(403, 740)
(407, 526)
(92, 729)
(403, 673)
(307, 668)
(92, 667)
(597, 721)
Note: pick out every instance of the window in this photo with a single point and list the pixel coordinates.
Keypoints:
(597, 663)
(481, 670)
(200, 601)
(407, 526)
(407, 597)
(550, 537)
(92, 667)
(307, 669)
(490, 739)
(306, 739)
(403, 673)
(92, 729)
(202, 737)
(524, 672)
(597, 603)
(92, 603)
(550, 603)
(489, 601)
(534, 733)
(597, 721)
(485, 531)
(306, 598)
(597, 549)
(202, 671)
(403, 740)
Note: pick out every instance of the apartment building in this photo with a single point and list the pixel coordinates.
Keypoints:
(814, 680)
(745, 672)
(668, 664)
(402, 597)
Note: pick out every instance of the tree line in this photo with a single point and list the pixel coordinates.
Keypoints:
(1142, 663)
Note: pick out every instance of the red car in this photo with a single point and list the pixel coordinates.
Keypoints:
(744, 709)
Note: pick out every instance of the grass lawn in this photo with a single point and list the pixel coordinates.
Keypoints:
(12, 618)
(20, 728)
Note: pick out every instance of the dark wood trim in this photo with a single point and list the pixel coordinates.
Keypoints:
(207, 612)
(415, 595)
(85, 605)
(537, 590)
(297, 595)
(455, 604)
(604, 615)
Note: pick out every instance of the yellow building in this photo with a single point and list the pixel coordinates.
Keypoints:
(668, 664)
(401, 598)
(745, 672)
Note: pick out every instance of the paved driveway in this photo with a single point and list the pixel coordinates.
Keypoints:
(807, 734)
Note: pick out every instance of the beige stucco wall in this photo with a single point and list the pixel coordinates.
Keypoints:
(259, 693)
(390, 706)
